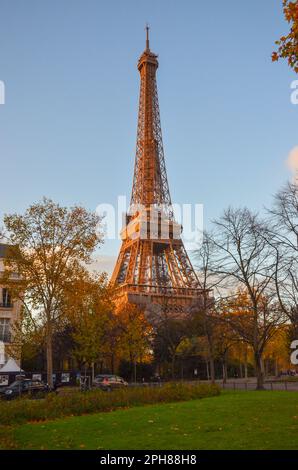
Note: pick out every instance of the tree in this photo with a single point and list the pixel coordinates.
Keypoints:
(134, 335)
(245, 261)
(203, 313)
(203, 324)
(49, 245)
(88, 307)
(254, 329)
(169, 327)
(277, 350)
(226, 341)
(288, 45)
(283, 237)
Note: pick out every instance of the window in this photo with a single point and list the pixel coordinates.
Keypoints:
(6, 298)
(26, 385)
(5, 330)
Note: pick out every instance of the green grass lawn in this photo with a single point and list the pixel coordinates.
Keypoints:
(233, 420)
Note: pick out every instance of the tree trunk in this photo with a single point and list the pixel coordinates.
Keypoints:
(212, 369)
(263, 366)
(245, 369)
(49, 347)
(240, 370)
(276, 368)
(224, 377)
(85, 377)
(207, 369)
(135, 370)
(112, 363)
(259, 371)
(173, 366)
(224, 368)
(211, 357)
(131, 367)
(266, 368)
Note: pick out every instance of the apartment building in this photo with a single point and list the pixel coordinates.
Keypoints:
(9, 311)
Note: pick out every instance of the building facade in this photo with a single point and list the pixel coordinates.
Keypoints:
(9, 311)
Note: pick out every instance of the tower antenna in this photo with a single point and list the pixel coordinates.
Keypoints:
(147, 37)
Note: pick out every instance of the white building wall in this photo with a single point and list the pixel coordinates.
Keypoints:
(12, 313)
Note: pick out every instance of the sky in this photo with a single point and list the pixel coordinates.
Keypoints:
(68, 125)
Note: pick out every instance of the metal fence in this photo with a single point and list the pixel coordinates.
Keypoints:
(268, 385)
(232, 385)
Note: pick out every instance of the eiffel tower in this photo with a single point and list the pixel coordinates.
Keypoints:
(153, 265)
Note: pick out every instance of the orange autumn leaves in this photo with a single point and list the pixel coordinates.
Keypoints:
(101, 330)
(288, 44)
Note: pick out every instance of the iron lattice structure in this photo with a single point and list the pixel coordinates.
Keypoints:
(152, 263)
(150, 183)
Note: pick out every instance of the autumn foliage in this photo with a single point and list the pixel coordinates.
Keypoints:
(288, 45)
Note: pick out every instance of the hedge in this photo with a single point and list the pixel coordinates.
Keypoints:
(78, 403)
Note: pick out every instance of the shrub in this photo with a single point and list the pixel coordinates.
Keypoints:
(77, 403)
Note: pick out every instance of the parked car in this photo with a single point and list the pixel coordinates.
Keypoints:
(32, 388)
(108, 382)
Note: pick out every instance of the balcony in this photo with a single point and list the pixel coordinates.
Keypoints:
(6, 305)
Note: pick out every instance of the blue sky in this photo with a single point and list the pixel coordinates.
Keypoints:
(68, 128)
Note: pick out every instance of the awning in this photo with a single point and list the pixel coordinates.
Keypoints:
(11, 366)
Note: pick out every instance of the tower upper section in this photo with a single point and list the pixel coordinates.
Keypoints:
(150, 184)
